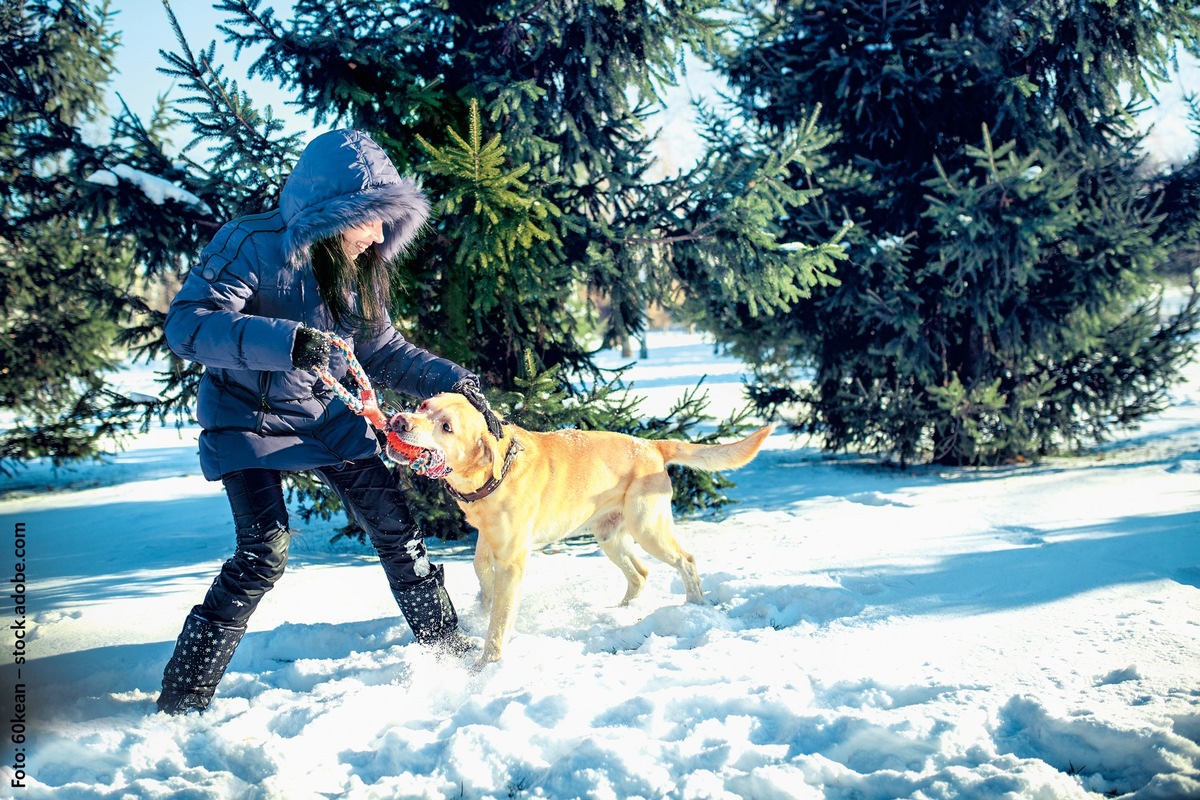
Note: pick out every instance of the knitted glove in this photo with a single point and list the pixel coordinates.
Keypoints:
(469, 388)
(311, 350)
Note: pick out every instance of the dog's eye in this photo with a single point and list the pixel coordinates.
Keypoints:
(446, 427)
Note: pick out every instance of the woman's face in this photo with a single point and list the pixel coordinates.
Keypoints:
(360, 237)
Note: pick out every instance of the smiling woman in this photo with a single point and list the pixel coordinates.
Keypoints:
(360, 237)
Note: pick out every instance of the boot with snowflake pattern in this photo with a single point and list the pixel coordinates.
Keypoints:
(430, 614)
(201, 655)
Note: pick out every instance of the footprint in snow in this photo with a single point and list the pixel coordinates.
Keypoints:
(1018, 534)
(875, 499)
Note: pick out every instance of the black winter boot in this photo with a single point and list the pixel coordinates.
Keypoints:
(430, 614)
(201, 655)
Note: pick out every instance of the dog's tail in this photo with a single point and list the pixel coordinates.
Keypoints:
(714, 457)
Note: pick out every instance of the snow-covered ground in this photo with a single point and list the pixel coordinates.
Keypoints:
(1021, 632)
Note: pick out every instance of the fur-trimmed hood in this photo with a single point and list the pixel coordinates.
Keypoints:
(342, 179)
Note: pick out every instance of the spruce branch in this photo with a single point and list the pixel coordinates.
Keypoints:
(229, 110)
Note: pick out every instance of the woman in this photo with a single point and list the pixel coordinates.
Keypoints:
(254, 312)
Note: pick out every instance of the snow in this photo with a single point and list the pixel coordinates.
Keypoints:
(157, 190)
(1019, 632)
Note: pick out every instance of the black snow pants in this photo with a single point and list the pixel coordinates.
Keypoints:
(368, 491)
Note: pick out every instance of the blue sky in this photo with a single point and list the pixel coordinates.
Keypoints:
(145, 31)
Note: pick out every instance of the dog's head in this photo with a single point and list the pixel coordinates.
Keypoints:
(448, 424)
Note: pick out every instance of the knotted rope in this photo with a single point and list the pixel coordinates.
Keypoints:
(429, 463)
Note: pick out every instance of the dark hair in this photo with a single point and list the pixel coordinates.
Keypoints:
(355, 289)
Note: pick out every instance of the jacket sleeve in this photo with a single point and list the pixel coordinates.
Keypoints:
(393, 361)
(208, 321)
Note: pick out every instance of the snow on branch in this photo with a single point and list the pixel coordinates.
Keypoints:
(157, 190)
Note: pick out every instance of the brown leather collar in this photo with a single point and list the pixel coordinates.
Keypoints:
(493, 482)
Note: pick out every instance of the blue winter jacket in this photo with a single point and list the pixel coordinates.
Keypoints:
(240, 307)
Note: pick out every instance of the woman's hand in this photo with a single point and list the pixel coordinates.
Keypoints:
(469, 388)
(311, 350)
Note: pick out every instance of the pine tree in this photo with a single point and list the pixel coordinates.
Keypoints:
(97, 234)
(999, 300)
(62, 279)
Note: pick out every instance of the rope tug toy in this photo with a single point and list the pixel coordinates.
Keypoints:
(428, 463)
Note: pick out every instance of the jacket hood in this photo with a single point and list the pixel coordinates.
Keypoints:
(342, 179)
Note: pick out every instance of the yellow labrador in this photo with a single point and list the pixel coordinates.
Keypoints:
(530, 489)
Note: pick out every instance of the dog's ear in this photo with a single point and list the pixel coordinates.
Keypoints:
(492, 447)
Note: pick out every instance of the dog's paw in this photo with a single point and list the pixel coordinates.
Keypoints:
(488, 657)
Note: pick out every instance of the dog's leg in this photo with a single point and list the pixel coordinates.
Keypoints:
(661, 544)
(616, 545)
(485, 572)
(508, 570)
(648, 519)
